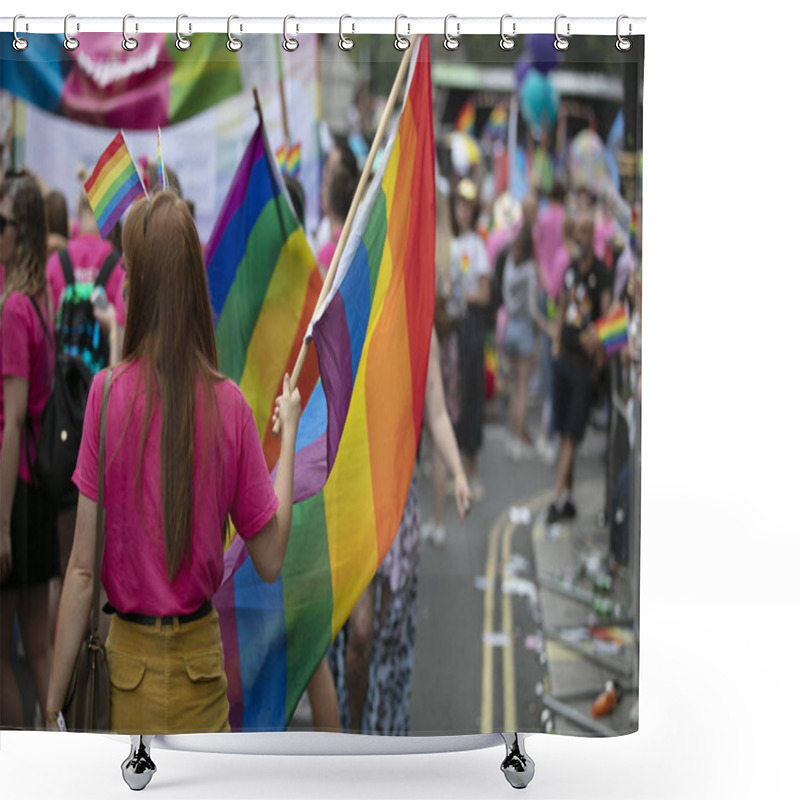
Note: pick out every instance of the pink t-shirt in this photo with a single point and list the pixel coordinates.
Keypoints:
(87, 254)
(548, 239)
(328, 250)
(232, 481)
(26, 352)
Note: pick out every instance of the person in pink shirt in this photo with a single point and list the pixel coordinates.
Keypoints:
(183, 457)
(28, 543)
(87, 253)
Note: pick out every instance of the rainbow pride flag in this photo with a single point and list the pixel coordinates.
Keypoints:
(264, 284)
(612, 330)
(163, 180)
(113, 185)
(465, 121)
(357, 436)
(497, 125)
(289, 160)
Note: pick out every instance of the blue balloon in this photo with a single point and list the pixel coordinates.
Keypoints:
(538, 100)
(541, 52)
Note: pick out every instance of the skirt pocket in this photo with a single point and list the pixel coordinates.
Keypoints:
(204, 666)
(126, 670)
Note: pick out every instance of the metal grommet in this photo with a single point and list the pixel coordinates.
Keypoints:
(128, 42)
(451, 42)
(289, 44)
(234, 44)
(623, 44)
(507, 42)
(181, 42)
(19, 44)
(344, 42)
(401, 42)
(560, 43)
(70, 42)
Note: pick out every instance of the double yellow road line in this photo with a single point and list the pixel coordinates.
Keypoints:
(502, 532)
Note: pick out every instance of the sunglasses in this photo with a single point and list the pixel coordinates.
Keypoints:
(4, 221)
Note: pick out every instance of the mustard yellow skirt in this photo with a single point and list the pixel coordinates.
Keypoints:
(167, 678)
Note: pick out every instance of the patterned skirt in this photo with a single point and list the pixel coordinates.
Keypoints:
(391, 662)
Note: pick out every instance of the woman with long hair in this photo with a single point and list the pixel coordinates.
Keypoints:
(182, 455)
(28, 542)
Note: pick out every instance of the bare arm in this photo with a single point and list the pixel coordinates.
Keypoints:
(267, 548)
(75, 605)
(444, 438)
(15, 407)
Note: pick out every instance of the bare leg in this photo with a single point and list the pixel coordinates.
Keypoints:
(11, 714)
(322, 696)
(518, 404)
(33, 623)
(359, 647)
(565, 465)
(471, 466)
(439, 486)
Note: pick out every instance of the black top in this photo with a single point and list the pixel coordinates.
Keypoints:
(582, 292)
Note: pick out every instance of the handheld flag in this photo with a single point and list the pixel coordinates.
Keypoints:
(163, 180)
(612, 330)
(359, 430)
(113, 185)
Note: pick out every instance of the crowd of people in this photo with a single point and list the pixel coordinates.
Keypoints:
(537, 277)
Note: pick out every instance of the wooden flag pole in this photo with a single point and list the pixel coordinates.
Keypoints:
(287, 139)
(362, 185)
(267, 150)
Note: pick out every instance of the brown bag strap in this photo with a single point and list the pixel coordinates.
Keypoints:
(100, 527)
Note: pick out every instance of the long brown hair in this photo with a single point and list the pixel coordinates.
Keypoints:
(29, 273)
(170, 331)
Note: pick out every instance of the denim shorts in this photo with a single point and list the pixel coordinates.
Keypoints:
(519, 341)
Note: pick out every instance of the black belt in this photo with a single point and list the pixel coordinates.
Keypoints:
(144, 619)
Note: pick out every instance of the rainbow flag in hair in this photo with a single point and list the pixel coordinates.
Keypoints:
(357, 436)
(163, 180)
(113, 185)
(612, 330)
(465, 121)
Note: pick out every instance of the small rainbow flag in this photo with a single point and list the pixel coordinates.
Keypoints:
(289, 162)
(113, 185)
(612, 330)
(465, 121)
(163, 180)
(497, 124)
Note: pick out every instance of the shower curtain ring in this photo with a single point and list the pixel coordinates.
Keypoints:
(289, 44)
(401, 42)
(19, 44)
(181, 42)
(70, 42)
(345, 43)
(128, 42)
(623, 44)
(561, 43)
(234, 44)
(507, 42)
(451, 42)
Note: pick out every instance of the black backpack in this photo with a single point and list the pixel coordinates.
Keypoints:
(62, 425)
(77, 331)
